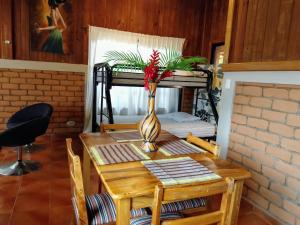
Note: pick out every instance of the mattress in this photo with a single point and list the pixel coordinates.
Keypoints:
(174, 124)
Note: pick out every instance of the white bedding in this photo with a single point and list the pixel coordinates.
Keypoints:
(169, 122)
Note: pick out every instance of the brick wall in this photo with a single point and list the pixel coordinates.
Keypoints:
(265, 138)
(63, 90)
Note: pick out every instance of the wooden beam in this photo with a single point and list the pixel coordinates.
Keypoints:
(228, 34)
(263, 66)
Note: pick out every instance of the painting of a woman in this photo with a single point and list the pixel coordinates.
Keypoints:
(49, 37)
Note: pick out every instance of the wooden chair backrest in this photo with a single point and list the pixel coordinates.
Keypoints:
(118, 126)
(207, 146)
(183, 192)
(77, 189)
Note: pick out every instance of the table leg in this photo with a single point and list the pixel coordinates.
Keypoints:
(123, 211)
(235, 200)
(86, 170)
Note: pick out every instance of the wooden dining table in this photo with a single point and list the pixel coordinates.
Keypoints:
(131, 185)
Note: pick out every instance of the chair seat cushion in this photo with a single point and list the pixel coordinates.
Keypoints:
(183, 205)
(101, 209)
(146, 220)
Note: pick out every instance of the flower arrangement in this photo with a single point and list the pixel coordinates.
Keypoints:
(158, 67)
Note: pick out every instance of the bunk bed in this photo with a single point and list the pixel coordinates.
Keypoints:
(178, 123)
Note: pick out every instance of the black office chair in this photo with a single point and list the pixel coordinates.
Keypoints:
(22, 129)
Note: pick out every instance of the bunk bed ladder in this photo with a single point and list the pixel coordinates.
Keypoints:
(209, 95)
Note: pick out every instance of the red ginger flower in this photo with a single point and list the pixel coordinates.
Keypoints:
(166, 73)
(151, 71)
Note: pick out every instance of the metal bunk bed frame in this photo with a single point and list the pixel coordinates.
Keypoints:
(103, 75)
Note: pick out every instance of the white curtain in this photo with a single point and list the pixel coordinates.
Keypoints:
(127, 100)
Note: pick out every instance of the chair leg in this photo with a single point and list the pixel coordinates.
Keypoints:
(19, 167)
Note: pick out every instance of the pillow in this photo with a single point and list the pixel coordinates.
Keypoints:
(183, 117)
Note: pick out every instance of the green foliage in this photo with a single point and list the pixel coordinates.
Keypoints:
(170, 60)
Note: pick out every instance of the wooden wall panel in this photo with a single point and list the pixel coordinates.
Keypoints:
(266, 30)
(176, 18)
(6, 29)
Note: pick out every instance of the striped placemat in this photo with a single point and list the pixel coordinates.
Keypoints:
(181, 170)
(117, 153)
(125, 135)
(178, 147)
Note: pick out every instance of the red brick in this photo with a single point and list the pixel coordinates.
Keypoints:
(43, 87)
(4, 80)
(18, 92)
(260, 179)
(235, 156)
(237, 109)
(18, 103)
(58, 88)
(10, 74)
(11, 98)
(297, 133)
(252, 184)
(44, 98)
(258, 123)
(263, 158)
(291, 144)
(261, 102)
(251, 111)
(276, 93)
(273, 174)
(27, 98)
(44, 75)
(237, 138)
(291, 207)
(51, 82)
(279, 153)
(248, 131)
(52, 93)
(67, 82)
(67, 93)
(243, 149)
(283, 130)
(241, 99)
(293, 120)
(17, 80)
(285, 106)
(251, 164)
(267, 137)
(273, 115)
(293, 183)
(252, 91)
(4, 92)
(35, 92)
(238, 89)
(11, 109)
(288, 169)
(262, 202)
(27, 75)
(282, 214)
(74, 77)
(294, 94)
(4, 103)
(10, 86)
(75, 88)
(271, 196)
(35, 81)
(255, 144)
(239, 119)
(27, 86)
(296, 159)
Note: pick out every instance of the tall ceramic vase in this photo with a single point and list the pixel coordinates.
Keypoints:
(150, 125)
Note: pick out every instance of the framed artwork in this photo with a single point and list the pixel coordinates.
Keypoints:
(51, 26)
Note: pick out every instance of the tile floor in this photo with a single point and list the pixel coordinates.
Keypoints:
(43, 197)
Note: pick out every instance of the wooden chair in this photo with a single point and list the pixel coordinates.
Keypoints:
(118, 126)
(181, 192)
(210, 147)
(100, 207)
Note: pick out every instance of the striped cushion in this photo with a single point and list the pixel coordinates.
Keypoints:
(101, 209)
(146, 220)
(183, 205)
